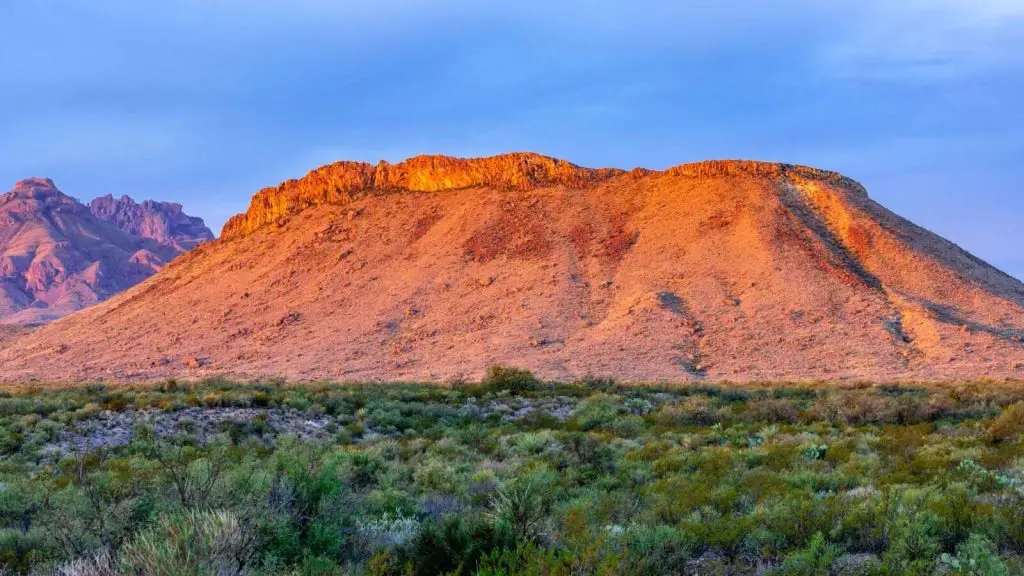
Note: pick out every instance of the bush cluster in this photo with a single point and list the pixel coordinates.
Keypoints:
(515, 476)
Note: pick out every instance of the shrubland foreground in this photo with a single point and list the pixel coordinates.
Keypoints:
(513, 476)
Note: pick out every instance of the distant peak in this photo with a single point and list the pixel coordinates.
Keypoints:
(40, 189)
(164, 222)
(35, 183)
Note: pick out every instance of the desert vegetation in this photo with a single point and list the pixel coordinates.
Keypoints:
(512, 475)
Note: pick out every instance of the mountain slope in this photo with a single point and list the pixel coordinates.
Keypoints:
(164, 222)
(436, 267)
(56, 257)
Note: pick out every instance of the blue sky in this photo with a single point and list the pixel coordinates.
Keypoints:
(206, 101)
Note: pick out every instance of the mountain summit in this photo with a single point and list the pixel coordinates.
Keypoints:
(57, 257)
(436, 267)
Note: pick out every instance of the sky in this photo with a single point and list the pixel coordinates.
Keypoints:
(204, 102)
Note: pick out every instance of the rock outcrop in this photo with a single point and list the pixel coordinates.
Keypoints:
(342, 182)
(164, 222)
(435, 268)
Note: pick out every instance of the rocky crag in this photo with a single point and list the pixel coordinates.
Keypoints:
(164, 222)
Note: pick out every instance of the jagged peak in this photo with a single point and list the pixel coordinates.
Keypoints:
(337, 183)
(110, 200)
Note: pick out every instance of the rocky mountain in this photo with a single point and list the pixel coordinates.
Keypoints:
(437, 267)
(57, 257)
(164, 222)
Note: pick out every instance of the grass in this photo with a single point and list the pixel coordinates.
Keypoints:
(513, 476)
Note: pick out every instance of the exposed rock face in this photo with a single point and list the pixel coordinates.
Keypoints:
(436, 268)
(341, 182)
(164, 222)
(56, 257)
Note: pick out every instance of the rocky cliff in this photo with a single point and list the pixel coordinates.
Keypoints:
(341, 182)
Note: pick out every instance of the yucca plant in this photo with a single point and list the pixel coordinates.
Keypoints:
(518, 506)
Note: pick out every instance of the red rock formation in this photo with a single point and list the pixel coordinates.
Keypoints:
(435, 268)
(56, 257)
(164, 222)
(341, 182)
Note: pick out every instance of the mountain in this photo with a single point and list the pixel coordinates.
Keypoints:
(436, 267)
(56, 257)
(164, 222)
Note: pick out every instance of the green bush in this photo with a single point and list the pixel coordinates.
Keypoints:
(658, 549)
(975, 557)
(815, 560)
(509, 379)
(591, 478)
(519, 508)
(1008, 425)
(598, 411)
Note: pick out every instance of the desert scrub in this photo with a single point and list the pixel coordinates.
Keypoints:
(512, 476)
(510, 379)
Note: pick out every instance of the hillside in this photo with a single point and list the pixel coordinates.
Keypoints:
(436, 267)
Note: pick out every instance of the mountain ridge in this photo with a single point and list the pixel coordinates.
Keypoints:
(340, 182)
(165, 222)
(57, 256)
(726, 270)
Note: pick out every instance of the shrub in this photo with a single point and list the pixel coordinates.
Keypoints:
(436, 477)
(1007, 425)
(598, 411)
(658, 550)
(100, 564)
(193, 542)
(628, 426)
(815, 560)
(453, 546)
(1010, 518)
(773, 410)
(388, 532)
(693, 411)
(848, 408)
(913, 544)
(975, 557)
(598, 383)
(509, 379)
(19, 548)
(519, 508)
(534, 443)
